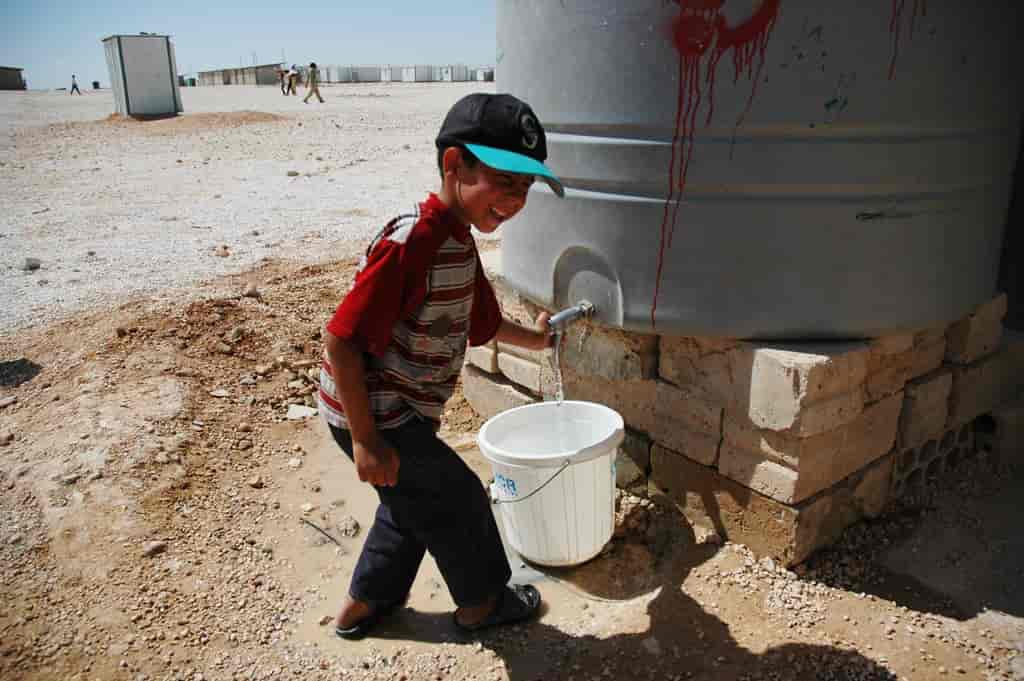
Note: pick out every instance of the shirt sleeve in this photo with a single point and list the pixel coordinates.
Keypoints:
(485, 318)
(371, 308)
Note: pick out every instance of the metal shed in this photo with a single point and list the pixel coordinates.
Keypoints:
(10, 78)
(417, 74)
(143, 74)
(339, 74)
(483, 75)
(365, 74)
(456, 73)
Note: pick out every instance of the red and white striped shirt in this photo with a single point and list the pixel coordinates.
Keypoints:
(420, 294)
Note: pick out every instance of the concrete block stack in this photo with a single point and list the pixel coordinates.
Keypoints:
(776, 446)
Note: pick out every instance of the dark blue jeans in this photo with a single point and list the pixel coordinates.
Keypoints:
(439, 505)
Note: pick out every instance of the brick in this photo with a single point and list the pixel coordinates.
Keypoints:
(871, 486)
(637, 447)
(633, 399)
(925, 408)
(792, 469)
(667, 414)
(805, 388)
(980, 387)
(702, 365)
(520, 371)
(490, 395)
(978, 334)
(787, 533)
(929, 351)
(889, 364)
(632, 460)
(609, 353)
(484, 357)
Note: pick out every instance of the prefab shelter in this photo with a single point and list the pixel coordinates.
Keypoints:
(262, 74)
(143, 74)
(10, 78)
(483, 75)
(365, 74)
(417, 74)
(456, 73)
(339, 74)
(390, 73)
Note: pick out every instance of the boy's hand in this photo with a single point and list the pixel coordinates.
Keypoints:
(376, 462)
(547, 337)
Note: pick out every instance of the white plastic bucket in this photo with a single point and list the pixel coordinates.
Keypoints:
(554, 478)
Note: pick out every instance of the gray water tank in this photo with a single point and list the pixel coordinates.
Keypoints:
(851, 180)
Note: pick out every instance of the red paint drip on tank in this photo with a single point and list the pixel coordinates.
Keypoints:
(919, 9)
(702, 36)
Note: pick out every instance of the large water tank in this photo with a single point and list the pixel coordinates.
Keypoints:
(765, 168)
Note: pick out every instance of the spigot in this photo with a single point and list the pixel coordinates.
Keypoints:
(581, 310)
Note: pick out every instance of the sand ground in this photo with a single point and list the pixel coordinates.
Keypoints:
(156, 500)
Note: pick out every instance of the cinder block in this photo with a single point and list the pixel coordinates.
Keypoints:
(805, 388)
(929, 351)
(768, 527)
(792, 469)
(666, 413)
(609, 353)
(978, 334)
(925, 408)
(520, 371)
(1003, 435)
(889, 364)
(490, 394)
(484, 357)
(980, 387)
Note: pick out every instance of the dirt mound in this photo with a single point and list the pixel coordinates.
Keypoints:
(186, 123)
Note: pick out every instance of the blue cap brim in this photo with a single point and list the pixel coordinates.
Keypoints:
(511, 162)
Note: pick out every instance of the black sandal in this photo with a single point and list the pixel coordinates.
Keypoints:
(516, 603)
(363, 627)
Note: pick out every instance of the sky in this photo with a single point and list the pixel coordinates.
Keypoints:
(52, 39)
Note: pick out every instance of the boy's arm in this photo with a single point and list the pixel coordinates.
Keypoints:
(537, 338)
(376, 460)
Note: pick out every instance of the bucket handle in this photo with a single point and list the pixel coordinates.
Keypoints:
(495, 500)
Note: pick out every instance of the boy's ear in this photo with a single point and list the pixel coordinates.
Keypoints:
(451, 160)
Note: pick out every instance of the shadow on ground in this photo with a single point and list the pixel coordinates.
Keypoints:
(955, 550)
(17, 371)
(681, 640)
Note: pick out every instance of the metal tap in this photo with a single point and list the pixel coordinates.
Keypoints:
(581, 310)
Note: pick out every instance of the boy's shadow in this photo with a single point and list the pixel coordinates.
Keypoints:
(681, 640)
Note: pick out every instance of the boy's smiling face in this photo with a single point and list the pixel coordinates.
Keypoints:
(488, 197)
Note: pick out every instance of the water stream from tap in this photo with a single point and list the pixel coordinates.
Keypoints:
(556, 365)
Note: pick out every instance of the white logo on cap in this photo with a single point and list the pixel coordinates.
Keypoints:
(531, 131)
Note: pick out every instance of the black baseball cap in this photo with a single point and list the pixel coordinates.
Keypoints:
(503, 132)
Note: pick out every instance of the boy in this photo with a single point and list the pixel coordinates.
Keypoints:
(393, 352)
